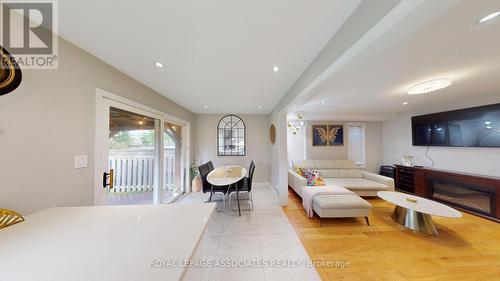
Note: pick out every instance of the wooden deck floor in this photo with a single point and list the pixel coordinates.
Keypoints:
(467, 248)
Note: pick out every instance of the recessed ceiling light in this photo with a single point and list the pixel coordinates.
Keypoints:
(276, 68)
(489, 17)
(323, 102)
(260, 107)
(159, 64)
(405, 103)
(205, 106)
(429, 86)
(487, 122)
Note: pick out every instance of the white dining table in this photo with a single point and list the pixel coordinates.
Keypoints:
(227, 176)
(122, 243)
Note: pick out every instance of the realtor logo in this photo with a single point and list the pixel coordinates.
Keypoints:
(28, 31)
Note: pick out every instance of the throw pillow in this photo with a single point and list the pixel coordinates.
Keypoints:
(299, 171)
(306, 173)
(313, 178)
(318, 182)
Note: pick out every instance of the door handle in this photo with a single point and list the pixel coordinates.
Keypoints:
(107, 179)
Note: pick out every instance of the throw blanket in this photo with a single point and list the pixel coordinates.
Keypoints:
(309, 192)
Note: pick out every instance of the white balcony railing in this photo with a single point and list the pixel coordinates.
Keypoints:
(135, 172)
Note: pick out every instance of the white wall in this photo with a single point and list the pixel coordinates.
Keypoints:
(49, 119)
(398, 142)
(296, 145)
(257, 141)
(279, 157)
(300, 145)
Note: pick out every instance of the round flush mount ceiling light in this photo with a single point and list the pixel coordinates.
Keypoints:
(429, 86)
(405, 103)
(323, 102)
(489, 17)
(205, 106)
(159, 64)
(276, 68)
(260, 107)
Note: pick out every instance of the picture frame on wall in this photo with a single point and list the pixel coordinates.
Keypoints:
(327, 135)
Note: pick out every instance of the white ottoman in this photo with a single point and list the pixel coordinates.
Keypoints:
(341, 206)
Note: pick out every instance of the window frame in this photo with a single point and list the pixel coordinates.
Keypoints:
(363, 142)
(244, 136)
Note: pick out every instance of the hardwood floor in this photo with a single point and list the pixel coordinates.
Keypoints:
(466, 249)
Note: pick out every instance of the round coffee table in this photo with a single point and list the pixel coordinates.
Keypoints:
(415, 212)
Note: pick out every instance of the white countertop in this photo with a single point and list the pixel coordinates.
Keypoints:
(419, 204)
(102, 243)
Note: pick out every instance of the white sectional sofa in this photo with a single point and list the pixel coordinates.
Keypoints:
(342, 173)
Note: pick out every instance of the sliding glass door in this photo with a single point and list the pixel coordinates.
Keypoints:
(131, 157)
(174, 156)
(140, 156)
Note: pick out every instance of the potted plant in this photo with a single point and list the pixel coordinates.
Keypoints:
(196, 183)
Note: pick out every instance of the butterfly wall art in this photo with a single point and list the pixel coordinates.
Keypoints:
(327, 135)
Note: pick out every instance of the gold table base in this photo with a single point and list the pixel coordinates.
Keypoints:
(414, 220)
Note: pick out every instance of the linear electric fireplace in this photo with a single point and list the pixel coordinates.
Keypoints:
(472, 193)
(464, 195)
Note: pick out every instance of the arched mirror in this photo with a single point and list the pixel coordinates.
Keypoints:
(231, 136)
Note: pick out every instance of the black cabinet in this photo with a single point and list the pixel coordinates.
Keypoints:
(405, 179)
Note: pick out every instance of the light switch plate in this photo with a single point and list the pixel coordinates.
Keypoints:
(81, 161)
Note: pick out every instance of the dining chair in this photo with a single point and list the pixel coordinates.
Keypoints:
(207, 187)
(244, 185)
(9, 218)
(210, 165)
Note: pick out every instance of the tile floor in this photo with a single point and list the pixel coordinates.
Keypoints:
(138, 198)
(264, 234)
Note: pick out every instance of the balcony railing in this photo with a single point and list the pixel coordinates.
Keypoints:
(135, 172)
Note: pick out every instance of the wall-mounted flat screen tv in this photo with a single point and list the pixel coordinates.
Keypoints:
(470, 127)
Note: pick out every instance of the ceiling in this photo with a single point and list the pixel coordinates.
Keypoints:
(451, 44)
(216, 53)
